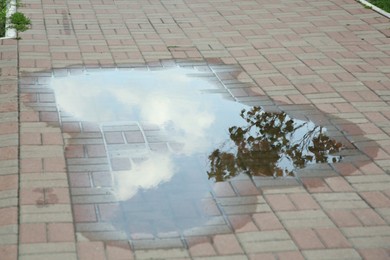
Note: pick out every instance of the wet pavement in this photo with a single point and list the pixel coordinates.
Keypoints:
(190, 130)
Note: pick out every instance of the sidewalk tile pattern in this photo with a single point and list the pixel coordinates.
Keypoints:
(333, 56)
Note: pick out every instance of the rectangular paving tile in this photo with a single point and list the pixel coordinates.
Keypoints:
(329, 254)
(266, 241)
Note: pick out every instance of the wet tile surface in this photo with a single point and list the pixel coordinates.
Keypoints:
(139, 145)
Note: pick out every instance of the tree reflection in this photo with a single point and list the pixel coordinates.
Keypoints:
(272, 144)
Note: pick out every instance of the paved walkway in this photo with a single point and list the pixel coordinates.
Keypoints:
(327, 56)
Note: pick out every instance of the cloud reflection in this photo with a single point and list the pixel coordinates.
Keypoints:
(157, 168)
(169, 98)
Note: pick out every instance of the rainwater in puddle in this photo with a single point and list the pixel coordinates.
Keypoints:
(169, 135)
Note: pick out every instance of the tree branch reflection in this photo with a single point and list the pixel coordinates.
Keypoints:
(271, 144)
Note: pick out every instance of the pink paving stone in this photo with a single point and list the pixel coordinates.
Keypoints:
(29, 116)
(338, 184)
(103, 179)
(118, 250)
(9, 252)
(223, 189)
(55, 164)
(376, 199)
(326, 108)
(375, 254)
(8, 128)
(8, 153)
(209, 207)
(376, 153)
(314, 185)
(74, 151)
(30, 138)
(345, 107)
(368, 217)
(134, 137)
(8, 216)
(32, 233)
(200, 246)
(114, 138)
(30, 196)
(282, 100)
(306, 239)
(303, 201)
(46, 98)
(31, 165)
(90, 127)
(267, 221)
(227, 244)
(344, 218)
(351, 96)
(9, 182)
(290, 255)
(84, 213)
(299, 99)
(96, 150)
(245, 188)
(79, 180)
(52, 139)
(108, 211)
(369, 167)
(376, 117)
(48, 116)
(242, 223)
(280, 202)
(69, 127)
(60, 232)
(120, 164)
(351, 129)
(370, 128)
(346, 169)
(332, 238)
(91, 251)
(306, 89)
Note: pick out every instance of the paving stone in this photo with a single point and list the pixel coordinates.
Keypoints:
(376, 199)
(227, 244)
(384, 213)
(368, 217)
(267, 221)
(49, 213)
(374, 254)
(46, 248)
(344, 218)
(331, 254)
(227, 257)
(161, 253)
(332, 238)
(59, 256)
(266, 241)
(200, 246)
(90, 250)
(157, 243)
(280, 202)
(306, 239)
(304, 219)
(340, 201)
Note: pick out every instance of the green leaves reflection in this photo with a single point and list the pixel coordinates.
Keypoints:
(272, 144)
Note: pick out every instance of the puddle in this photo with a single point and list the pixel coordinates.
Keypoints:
(169, 135)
